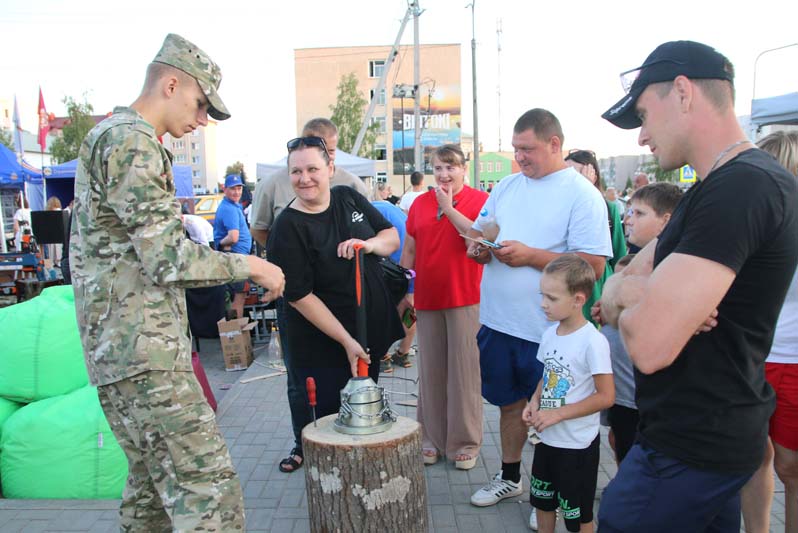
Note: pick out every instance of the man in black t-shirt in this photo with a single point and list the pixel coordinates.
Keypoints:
(728, 253)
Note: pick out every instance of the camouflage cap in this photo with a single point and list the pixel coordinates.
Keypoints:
(186, 56)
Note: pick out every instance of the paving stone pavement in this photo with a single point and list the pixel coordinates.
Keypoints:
(255, 422)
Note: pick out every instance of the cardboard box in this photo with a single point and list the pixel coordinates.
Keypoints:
(236, 342)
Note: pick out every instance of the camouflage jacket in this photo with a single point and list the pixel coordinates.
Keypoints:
(130, 259)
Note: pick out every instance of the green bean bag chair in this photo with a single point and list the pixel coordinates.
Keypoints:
(61, 447)
(42, 355)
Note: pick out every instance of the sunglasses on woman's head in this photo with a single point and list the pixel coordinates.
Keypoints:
(312, 141)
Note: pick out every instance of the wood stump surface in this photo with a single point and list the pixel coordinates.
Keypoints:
(365, 482)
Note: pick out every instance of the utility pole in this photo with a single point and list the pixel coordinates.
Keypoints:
(381, 83)
(475, 158)
(499, 76)
(418, 152)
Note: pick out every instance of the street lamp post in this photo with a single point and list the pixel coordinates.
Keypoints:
(475, 159)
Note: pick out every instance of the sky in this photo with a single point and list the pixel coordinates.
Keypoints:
(563, 56)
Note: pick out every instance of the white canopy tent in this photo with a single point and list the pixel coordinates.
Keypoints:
(359, 166)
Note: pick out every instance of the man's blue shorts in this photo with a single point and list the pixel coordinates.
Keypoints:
(655, 493)
(509, 366)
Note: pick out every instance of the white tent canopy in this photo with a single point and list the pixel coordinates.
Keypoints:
(359, 166)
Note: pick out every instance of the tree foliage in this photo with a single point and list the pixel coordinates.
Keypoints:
(235, 168)
(6, 138)
(347, 114)
(652, 168)
(66, 146)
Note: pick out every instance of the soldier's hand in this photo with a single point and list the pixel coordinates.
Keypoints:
(268, 276)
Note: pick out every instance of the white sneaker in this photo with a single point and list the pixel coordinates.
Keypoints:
(533, 520)
(497, 490)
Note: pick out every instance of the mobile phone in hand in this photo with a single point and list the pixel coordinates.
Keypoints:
(483, 242)
(409, 317)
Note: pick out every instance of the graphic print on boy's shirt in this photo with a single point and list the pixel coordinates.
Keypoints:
(557, 381)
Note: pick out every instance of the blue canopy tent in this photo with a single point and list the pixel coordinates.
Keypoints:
(15, 177)
(60, 181)
(15, 174)
(782, 109)
(183, 187)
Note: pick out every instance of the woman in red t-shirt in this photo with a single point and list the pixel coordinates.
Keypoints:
(447, 304)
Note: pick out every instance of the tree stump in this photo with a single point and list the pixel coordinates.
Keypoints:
(365, 482)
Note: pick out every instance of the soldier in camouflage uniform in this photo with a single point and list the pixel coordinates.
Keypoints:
(130, 265)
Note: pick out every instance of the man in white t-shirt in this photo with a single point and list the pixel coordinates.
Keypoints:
(546, 210)
(417, 189)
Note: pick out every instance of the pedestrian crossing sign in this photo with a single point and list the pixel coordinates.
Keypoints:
(687, 174)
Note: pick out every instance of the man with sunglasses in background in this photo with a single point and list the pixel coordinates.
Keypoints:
(130, 262)
(728, 253)
(272, 194)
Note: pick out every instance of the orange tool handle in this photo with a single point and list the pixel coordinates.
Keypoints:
(310, 384)
(362, 368)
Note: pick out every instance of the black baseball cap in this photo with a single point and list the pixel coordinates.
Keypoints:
(669, 60)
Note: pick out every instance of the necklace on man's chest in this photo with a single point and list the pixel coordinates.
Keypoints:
(724, 152)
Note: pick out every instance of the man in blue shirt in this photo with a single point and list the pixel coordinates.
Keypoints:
(231, 234)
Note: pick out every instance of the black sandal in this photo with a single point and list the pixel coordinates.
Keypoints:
(401, 359)
(290, 464)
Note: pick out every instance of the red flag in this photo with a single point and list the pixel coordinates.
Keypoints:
(44, 122)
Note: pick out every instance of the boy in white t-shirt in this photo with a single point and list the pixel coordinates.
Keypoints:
(564, 410)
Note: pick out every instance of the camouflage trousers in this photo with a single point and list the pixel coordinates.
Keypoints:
(181, 477)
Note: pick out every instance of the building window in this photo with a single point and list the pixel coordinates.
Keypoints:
(376, 67)
(380, 152)
(490, 166)
(382, 176)
(481, 167)
(180, 158)
(195, 133)
(498, 166)
(381, 122)
(380, 98)
(178, 145)
(195, 159)
(194, 146)
(195, 173)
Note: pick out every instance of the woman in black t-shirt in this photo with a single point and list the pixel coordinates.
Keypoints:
(313, 241)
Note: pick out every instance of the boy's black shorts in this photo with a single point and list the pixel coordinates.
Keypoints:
(565, 478)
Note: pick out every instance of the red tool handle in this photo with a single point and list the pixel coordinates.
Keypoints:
(310, 385)
(362, 368)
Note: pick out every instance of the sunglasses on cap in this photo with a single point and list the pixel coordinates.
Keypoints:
(629, 77)
(312, 141)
